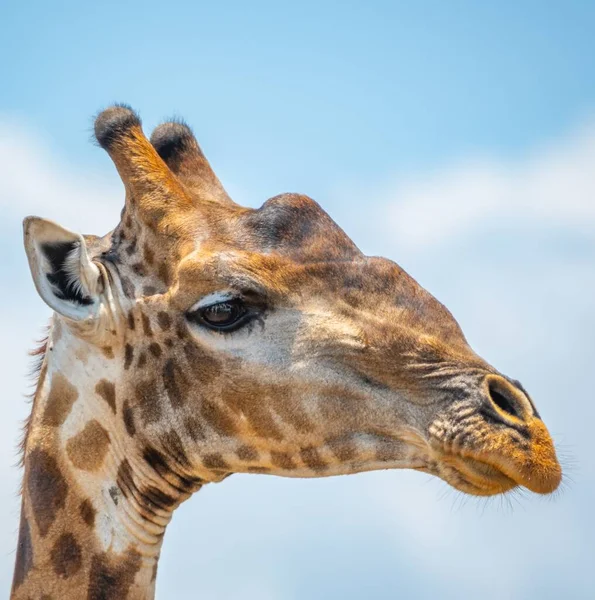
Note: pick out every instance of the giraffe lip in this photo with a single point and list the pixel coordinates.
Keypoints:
(533, 478)
(467, 474)
(536, 468)
(486, 477)
(474, 476)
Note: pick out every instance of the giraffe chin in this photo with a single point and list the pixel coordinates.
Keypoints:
(479, 477)
(474, 477)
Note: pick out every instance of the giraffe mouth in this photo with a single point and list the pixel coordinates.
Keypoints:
(487, 475)
(466, 474)
(474, 476)
(470, 476)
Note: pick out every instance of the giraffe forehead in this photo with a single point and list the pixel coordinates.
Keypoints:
(296, 226)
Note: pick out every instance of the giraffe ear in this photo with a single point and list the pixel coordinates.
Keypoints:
(64, 275)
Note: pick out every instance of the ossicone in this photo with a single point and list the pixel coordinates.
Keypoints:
(113, 123)
(175, 143)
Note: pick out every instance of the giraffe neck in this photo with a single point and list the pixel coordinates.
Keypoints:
(93, 514)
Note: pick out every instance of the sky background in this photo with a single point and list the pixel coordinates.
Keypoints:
(456, 138)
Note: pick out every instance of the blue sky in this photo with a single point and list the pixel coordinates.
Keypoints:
(457, 138)
(313, 91)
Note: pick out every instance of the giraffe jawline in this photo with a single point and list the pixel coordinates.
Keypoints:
(472, 476)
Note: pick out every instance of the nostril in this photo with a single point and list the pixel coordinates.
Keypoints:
(503, 401)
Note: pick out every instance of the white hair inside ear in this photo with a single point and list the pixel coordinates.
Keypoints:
(64, 275)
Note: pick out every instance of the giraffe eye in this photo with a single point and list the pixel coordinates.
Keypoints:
(222, 316)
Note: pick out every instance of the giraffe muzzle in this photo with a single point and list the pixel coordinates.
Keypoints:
(532, 464)
(496, 445)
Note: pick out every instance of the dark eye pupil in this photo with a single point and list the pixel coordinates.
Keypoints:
(222, 313)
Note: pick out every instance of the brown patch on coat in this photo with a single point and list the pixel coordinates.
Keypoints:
(147, 330)
(128, 418)
(214, 461)
(149, 254)
(195, 429)
(60, 400)
(174, 446)
(108, 352)
(344, 450)
(124, 479)
(132, 247)
(217, 418)
(311, 458)
(247, 453)
(142, 360)
(147, 397)
(139, 269)
(128, 356)
(164, 320)
(154, 498)
(82, 354)
(66, 556)
(163, 466)
(112, 575)
(47, 488)
(176, 383)
(155, 349)
(387, 452)
(282, 460)
(24, 559)
(131, 321)
(88, 448)
(88, 512)
(163, 273)
(107, 390)
(127, 287)
(204, 367)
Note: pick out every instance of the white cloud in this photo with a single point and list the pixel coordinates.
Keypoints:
(36, 182)
(551, 187)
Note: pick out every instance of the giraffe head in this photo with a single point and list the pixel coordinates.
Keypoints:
(228, 339)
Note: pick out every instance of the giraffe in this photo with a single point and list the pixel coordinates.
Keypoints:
(200, 338)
